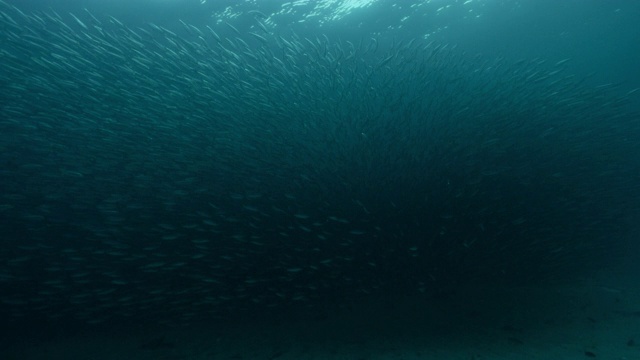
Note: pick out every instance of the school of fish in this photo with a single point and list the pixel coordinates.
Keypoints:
(178, 174)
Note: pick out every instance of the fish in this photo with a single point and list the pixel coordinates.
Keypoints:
(172, 174)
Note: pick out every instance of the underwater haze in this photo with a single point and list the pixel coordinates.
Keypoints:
(178, 162)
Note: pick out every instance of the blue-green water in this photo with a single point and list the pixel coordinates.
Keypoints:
(176, 162)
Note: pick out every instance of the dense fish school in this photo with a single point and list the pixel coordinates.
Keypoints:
(181, 174)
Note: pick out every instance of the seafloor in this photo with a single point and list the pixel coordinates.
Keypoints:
(595, 318)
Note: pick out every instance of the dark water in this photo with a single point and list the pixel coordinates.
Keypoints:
(175, 161)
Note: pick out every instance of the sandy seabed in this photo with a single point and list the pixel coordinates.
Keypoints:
(596, 319)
